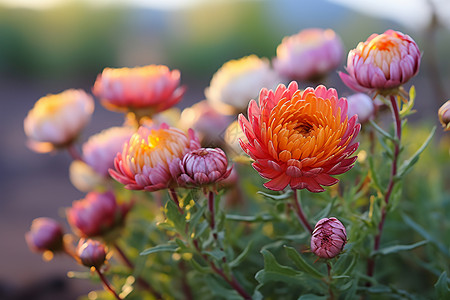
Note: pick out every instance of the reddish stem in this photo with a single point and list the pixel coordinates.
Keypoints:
(106, 284)
(232, 281)
(74, 153)
(211, 209)
(174, 197)
(301, 216)
(398, 133)
(186, 288)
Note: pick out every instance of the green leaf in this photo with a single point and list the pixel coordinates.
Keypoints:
(407, 109)
(419, 229)
(407, 164)
(381, 131)
(173, 214)
(398, 248)
(257, 218)
(280, 197)
(374, 174)
(217, 254)
(441, 287)
(219, 290)
(240, 258)
(160, 248)
(193, 221)
(273, 271)
(300, 263)
(199, 267)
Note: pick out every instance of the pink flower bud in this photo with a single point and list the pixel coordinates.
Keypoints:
(382, 63)
(45, 234)
(361, 105)
(97, 214)
(91, 253)
(202, 167)
(328, 238)
(309, 54)
(444, 115)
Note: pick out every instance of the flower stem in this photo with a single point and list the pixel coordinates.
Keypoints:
(231, 280)
(330, 290)
(144, 284)
(298, 210)
(174, 197)
(387, 195)
(211, 209)
(74, 153)
(106, 284)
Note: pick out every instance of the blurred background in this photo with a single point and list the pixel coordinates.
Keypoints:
(47, 46)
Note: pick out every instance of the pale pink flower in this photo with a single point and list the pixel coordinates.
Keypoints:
(238, 81)
(92, 253)
(382, 63)
(45, 235)
(56, 120)
(97, 214)
(362, 105)
(201, 167)
(328, 238)
(144, 90)
(309, 54)
(207, 122)
(84, 178)
(147, 158)
(101, 149)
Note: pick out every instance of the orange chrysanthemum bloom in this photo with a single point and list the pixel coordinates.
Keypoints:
(300, 138)
(148, 158)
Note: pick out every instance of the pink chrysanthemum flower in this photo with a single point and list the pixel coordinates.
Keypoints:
(101, 149)
(382, 63)
(309, 54)
(328, 238)
(300, 138)
(143, 90)
(444, 115)
(201, 167)
(97, 214)
(56, 120)
(148, 157)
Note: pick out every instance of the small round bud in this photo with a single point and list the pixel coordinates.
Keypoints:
(45, 235)
(91, 253)
(328, 238)
(444, 115)
(203, 167)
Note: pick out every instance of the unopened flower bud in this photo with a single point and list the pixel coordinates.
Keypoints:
(444, 115)
(202, 167)
(328, 238)
(97, 214)
(45, 235)
(361, 105)
(91, 253)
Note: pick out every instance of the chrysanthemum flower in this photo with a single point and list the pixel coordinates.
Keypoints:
(238, 81)
(84, 178)
(328, 238)
(382, 63)
(309, 54)
(101, 149)
(201, 167)
(300, 138)
(56, 120)
(97, 214)
(147, 158)
(143, 90)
